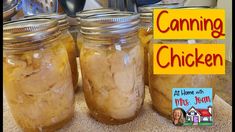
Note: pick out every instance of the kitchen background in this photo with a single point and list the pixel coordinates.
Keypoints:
(31, 7)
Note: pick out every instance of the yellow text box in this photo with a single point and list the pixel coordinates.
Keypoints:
(188, 59)
(189, 23)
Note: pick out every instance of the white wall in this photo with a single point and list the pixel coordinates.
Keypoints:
(227, 5)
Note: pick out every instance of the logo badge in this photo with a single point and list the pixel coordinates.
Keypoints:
(192, 106)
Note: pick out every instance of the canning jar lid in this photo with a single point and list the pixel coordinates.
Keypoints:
(93, 11)
(193, 7)
(61, 18)
(109, 24)
(86, 13)
(146, 11)
(28, 32)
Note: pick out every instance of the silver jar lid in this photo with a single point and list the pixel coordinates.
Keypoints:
(94, 10)
(146, 12)
(61, 18)
(193, 7)
(107, 24)
(25, 33)
(86, 13)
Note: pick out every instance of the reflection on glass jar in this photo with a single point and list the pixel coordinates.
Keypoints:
(112, 67)
(37, 76)
(160, 86)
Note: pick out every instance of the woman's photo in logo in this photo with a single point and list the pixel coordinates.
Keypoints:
(178, 116)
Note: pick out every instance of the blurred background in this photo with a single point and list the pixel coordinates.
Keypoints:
(19, 8)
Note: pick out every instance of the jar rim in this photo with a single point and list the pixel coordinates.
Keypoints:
(24, 32)
(61, 18)
(87, 13)
(109, 24)
(149, 8)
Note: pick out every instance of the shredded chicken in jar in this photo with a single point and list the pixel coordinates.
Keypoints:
(113, 81)
(38, 87)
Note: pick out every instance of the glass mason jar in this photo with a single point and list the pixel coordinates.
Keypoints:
(67, 40)
(112, 67)
(86, 13)
(160, 86)
(37, 76)
(146, 33)
(73, 29)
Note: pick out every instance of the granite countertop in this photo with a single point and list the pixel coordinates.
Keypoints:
(224, 84)
(147, 121)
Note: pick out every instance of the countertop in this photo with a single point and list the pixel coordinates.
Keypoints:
(224, 84)
(147, 121)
